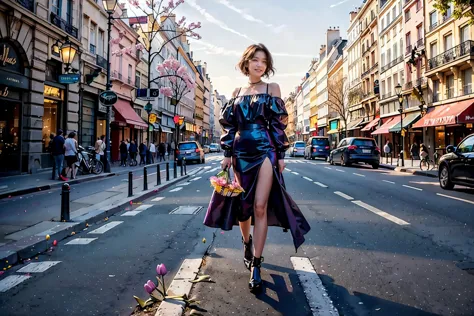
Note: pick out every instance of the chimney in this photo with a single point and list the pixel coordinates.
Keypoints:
(352, 15)
(124, 14)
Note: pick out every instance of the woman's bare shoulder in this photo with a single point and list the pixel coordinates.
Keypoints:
(274, 89)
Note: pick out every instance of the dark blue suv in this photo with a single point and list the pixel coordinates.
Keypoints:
(317, 147)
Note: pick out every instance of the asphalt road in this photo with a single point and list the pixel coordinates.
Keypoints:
(382, 242)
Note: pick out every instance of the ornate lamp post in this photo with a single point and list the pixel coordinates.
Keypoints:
(398, 91)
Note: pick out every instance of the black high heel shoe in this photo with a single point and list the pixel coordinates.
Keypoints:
(255, 283)
(248, 254)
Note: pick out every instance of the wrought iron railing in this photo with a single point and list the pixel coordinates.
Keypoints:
(64, 25)
(391, 23)
(408, 85)
(92, 48)
(408, 51)
(463, 49)
(28, 4)
(394, 62)
(101, 62)
(386, 95)
(406, 2)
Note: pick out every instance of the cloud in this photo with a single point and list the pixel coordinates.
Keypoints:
(212, 49)
(213, 20)
(248, 17)
(338, 4)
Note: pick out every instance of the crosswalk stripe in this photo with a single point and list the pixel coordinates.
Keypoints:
(38, 267)
(81, 241)
(105, 228)
(176, 189)
(143, 207)
(195, 179)
(321, 185)
(131, 213)
(12, 281)
(347, 197)
(295, 173)
(158, 199)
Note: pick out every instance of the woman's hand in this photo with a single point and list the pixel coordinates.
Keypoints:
(281, 165)
(226, 163)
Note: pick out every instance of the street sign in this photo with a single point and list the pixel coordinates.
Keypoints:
(69, 78)
(147, 94)
(108, 98)
(148, 107)
(152, 118)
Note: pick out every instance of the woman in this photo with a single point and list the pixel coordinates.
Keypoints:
(70, 146)
(123, 153)
(254, 140)
(100, 148)
(132, 149)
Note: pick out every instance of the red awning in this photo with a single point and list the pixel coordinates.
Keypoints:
(128, 114)
(371, 124)
(384, 129)
(448, 114)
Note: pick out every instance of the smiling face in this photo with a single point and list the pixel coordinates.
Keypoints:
(256, 62)
(257, 66)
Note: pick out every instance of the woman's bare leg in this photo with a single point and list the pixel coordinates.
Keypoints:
(262, 193)
(245, 229)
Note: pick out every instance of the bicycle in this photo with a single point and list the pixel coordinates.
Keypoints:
(427, 162)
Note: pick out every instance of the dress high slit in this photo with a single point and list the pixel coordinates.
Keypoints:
(254, 130)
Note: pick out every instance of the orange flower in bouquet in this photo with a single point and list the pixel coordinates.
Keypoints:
(223, 186)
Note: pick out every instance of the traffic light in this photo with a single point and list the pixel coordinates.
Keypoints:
(90, 77)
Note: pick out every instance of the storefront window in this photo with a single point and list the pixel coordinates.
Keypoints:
(9, 136)
(440, 137)
(50, 121)
(100, 128)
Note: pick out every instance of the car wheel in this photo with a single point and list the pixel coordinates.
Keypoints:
(444, 178)
(375, 165)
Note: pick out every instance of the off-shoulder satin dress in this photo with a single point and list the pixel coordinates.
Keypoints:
(253, 130)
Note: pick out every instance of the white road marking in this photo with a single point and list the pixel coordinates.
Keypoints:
(455, 198)
(328, 168)
(207, 167)
(12, 281)
(358, 174)
(143, 207)
(195, 179)
(184, 183)
(295, 173)
(213, 170)
(105, 228)
(186, 210)
(347, 197)
(176, 189)
(81, 241)
(38, 267)
(309, 179)
(407, 186)
(388, 181)
(287, 169)
(340, 170)
(321, 185)
(385, 215)
(158, 199)
(131, 213)
(318, 299)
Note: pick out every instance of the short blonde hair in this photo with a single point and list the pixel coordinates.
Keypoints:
(249, 53)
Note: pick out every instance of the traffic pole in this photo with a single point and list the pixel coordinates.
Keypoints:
(65, 210)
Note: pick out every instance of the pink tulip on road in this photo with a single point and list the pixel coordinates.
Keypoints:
(149, 286)
(161, 269)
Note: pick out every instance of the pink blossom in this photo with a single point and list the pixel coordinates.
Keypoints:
(115, 41)
(182, 20)
(148, 3)
(139, 46)
(172, 79)
(161, 69)
(121, 34)
(166, 91)
(181, 71)
(134, 3)
(122, 6)
(221, 181)
(171, 4)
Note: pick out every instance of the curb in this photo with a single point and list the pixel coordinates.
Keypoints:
(414, 172)
(34, 245)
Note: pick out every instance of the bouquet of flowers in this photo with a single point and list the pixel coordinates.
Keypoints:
(223, 186)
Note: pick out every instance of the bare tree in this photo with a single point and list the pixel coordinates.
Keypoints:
(338, 96)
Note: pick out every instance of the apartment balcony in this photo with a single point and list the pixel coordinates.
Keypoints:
(433, 26)
(394, 62)
(420, 43)
(27, 4)
(64, 25)
(116, 75)
(386, 95)
(409, 49)
(421, 81)
(464, 49)
(369, 71)
(101, 62)
(390, 24)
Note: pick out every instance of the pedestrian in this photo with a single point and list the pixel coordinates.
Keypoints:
(415, 150)
(70, 146)
(142, 150)
(133, 152)
(123, 154)
(162, 151)
(168, 149)
(57, 150)
(257, 162)
(387, 150)
(153, 152)
(423, 151)
(127, 142)
(100, 149)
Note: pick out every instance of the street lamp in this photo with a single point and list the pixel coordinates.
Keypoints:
(398, 91)
(109, 6)
(68, 52)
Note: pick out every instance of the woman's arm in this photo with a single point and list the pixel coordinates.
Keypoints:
(278, 121)
(229, 126)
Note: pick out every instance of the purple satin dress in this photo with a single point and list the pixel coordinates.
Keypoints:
(253, 130)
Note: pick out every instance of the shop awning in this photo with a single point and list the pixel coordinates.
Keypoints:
(408, 120)
(448, 114)
(333, 131)
(160, 128)
(129, 115)
(384, 129)
(354, 124)
(165, 129)
(371, 125)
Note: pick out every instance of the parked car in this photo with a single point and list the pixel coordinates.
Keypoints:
(317, 147)
(297, 149)
(356, 149)
(214, 148)
(191, 150)
(457, 166)
(206, 149)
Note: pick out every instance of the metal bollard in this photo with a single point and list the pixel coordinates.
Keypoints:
(181, 169)
(65, 211)
(130, 184)
(158, 174)
(145, 179)
(185, 166)
(168, 171)
(175, 170)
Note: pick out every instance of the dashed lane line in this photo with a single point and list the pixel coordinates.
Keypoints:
(391, 182)
(321, 185)
(309, 179)
(184, 183)
(158, 199)
(176, 189)
(340, 170)
(195, 179)
(287, 169)
(358, 174)
(105, 228)
(131, 213)
(81, 241)
(38, 267)
(318, 299)
(12, 281)
(347, 197)
(329, 168)
(385, 215)
(455, 198)
(295, 173)
(143, 207)
(410, 187)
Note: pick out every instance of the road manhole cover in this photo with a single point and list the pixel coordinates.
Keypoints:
(186, 210)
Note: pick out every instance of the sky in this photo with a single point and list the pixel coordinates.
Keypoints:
(293, 31)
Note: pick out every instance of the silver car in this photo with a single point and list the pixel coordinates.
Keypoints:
(297, 149)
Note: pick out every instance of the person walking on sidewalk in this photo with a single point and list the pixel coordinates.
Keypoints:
(162, 151)
(257, 158)
(57, 150)
(123, 154)
(142, 151)
(133, 151)
(70, 146)
(100, 149)
(387, 150)
(153, 152)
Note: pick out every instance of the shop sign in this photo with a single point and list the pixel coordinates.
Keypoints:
(9, 58)
(4, 92)
(13, 80)
(152, 118)
(108, 98)
(444, 120)
(69, 78)
(102, 108)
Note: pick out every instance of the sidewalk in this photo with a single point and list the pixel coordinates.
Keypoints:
(31, 241)
(408, 168)
(30, 183)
